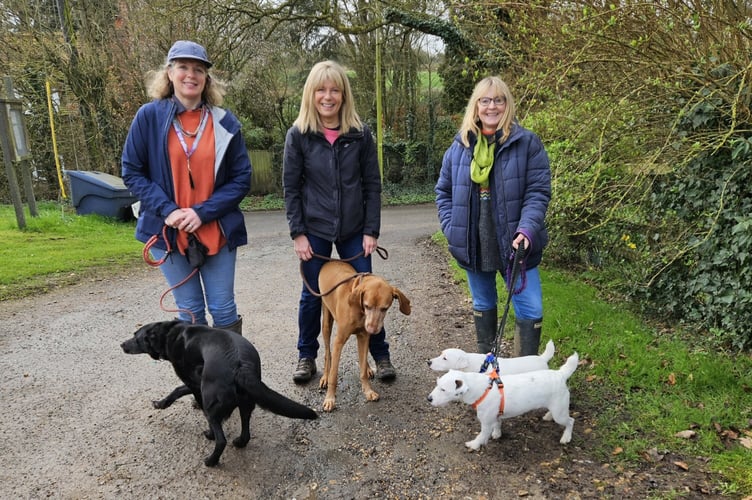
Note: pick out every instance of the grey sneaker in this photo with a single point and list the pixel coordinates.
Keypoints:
(305, 370)
(385, 371)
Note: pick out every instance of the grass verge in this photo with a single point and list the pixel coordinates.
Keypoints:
(59, 247)
(392, 194)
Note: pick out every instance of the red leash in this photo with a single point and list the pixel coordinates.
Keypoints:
(156, 263)
(150, 243)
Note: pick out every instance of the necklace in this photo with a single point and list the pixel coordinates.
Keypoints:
(186, 132)
(198, 133)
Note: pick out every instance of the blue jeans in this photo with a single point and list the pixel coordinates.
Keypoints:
(212, 287)
(528, 304)
(309, 312)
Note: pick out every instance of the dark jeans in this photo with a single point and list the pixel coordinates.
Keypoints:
(309, 312)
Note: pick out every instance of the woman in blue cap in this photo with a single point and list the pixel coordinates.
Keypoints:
(186, 162)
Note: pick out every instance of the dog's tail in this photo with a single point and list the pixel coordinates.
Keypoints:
(568, 368)
(273, 401)
(549, 352)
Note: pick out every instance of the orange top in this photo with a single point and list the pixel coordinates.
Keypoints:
(201, 170)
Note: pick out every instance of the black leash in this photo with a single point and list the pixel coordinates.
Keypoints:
(518, 262)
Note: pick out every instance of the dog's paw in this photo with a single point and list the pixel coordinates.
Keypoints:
(369, 372)
(322, 383)
(372, 396)
(566, 437)
(241, 441)
(208, 434)
(548, 416)
(329, 404)
(473, 445)
(496, 434)
(160, 404)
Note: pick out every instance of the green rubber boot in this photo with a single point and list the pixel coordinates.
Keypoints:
(527, 334)
(485, 329)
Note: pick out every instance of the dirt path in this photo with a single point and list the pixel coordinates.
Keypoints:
(76, 418)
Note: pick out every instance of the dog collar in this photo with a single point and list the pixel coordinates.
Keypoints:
(492, 378)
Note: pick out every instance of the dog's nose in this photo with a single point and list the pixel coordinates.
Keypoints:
(429, 363)
(430, 399)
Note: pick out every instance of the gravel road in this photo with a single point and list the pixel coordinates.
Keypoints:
(77, 420)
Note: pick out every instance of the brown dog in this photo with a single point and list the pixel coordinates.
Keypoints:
(358, 304)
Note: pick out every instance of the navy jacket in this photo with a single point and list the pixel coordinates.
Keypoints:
(147, 173)
(520, 183)
(332, 191)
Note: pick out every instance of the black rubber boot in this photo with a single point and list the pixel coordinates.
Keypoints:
(485, 329)
(527, 334)
(236, 327)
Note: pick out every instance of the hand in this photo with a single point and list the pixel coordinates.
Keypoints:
(369, 245)
(518, 239)
(302, 247)
(191, 221)
(175, 218)
(184, 219)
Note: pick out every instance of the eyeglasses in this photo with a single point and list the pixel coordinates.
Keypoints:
(486, 101)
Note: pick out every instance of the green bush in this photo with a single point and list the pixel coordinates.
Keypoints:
(707, 282)
(675, 237)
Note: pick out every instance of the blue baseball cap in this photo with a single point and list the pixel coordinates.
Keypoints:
(185, 49)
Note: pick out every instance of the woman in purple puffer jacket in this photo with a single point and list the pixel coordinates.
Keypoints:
(492, 195)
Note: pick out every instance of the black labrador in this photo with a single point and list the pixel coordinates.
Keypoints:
(221, 369)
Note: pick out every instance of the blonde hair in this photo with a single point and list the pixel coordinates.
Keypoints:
(159, 86)
(308, 117)
(471, 121)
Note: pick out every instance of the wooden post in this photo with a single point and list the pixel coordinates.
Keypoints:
(22, 160)
(8, 154)
(28, 185)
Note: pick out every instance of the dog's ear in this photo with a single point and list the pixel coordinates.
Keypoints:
(356, 297)
(404, 302)
(460, 386)
(153, 340)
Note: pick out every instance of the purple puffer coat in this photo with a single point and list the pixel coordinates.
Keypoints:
(520, 184)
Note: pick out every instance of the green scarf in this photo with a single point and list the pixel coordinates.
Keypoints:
(483, 157)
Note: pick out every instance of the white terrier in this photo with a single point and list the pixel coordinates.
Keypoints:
(457, 359)
(522, 393)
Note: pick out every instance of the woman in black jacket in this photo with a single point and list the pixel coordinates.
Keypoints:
(332, 190)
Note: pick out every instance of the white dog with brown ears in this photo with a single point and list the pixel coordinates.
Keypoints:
(517, 394)
(457, 359)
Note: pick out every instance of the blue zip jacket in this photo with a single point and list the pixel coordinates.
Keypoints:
(147, 173)
(332, 191)
(520, 184)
